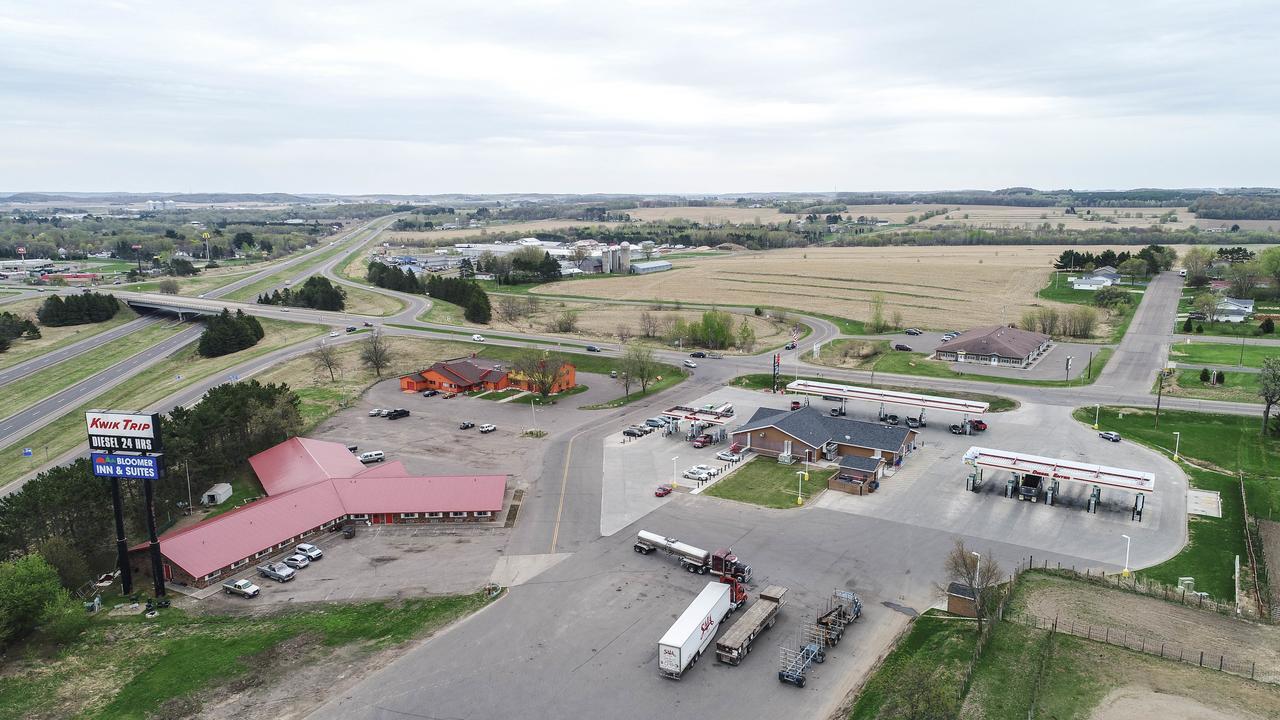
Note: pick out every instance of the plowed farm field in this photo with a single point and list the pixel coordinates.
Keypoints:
(931, 286)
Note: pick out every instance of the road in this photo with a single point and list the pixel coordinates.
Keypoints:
(41, 362)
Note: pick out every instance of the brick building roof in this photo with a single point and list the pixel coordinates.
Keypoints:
(996, 340)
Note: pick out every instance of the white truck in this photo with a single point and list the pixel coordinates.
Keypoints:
(694, 559)
(696, 627)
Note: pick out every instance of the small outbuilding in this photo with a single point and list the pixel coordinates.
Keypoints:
(962, 600)
(216, 495)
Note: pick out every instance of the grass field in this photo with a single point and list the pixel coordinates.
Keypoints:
(1115, 322)
(764, 381)
(1223, 329)
(54, 338)
(37, 386)
(762, 481)
(1001, 216)
(1236, 387)
(367, 302)
(938, 641)
(930, 286)
(1222, 353)
(716, 214)
(161, 380)
(129, 668)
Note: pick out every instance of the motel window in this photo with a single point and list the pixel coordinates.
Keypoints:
(240, 563)
(456, 514)
(408, 516)
(359, 517)
(264, 552)
(211, 576)
(435, 515)
(483, 513)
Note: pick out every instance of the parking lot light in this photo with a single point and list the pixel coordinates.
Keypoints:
(1097, 411)
(1177, 440)
(800, 476)
(675, 476)
(1127, 542)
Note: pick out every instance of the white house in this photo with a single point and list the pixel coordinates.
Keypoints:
(1090, 283)
(1233, 310)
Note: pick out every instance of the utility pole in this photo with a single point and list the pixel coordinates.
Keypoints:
(1159, 396)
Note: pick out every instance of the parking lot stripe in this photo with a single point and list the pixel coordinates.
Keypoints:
(564, 484)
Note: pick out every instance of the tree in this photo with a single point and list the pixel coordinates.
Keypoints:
(1269, 388)
(639, 364)
(477, 309)
(541, 371)
(1269, 263)
(27, 586)
(1196, 263)
(509, 307)
(70, 565)
(981, 575)
(878, 324)
(565, 322)
(746, 336)
(182, 267)
(648, 324)
(242, 239)
(375, 352)
(1244, 278)
(1111, 296)
(1206, 304)
(1267, 327)
(1186, 325)
(1204, 375)
(326, 358)
(168, 286)
(623, 332)
(1133, 267)
(466, 269)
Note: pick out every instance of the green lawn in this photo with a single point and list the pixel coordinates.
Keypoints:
(443, 313)
(37, 386)
(1227, 329)
(764, 381)
(1222, 353)
(244, 485)
(936, 639)
(1235, 387)
(141, 668)
(762, 481)
(1120, 319)
(1228, 443)
(170, 375)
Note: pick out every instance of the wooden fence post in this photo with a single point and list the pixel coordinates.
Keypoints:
(1201, 658)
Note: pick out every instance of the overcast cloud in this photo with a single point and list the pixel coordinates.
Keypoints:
(399, 97)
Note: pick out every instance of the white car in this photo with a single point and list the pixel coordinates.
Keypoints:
(487, 428)
(375, 412)
(728, 456)
(310, 551)
(697, 474)
(690, 364)
(333, 333)
(478, 338)
(297, 561)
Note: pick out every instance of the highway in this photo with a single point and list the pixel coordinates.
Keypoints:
(41, 362)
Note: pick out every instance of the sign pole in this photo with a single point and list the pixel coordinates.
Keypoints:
(122, 546)
(157, 569)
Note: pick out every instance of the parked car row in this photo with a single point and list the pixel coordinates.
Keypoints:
(484, 429)
(700, 354)
(395, 414)
(303, 555)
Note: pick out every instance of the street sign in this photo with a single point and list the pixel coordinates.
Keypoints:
(123, 431)
(26, 452)
(137, 467)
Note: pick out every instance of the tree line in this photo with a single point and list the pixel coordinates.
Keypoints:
(13, 327)
(226, 333)
(317, 293)
(1237, 207)
(526, 265)
(1155, 259)
(77, 309)
(459, 291)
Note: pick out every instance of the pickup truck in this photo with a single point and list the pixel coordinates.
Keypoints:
(1030, 487)
(276, 571)
(241, 587)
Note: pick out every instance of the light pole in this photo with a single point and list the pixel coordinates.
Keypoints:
(1097, 411)
(1127, 542)
(533, 414)
(1066, 374)
(800, 476)
(675, 479)
(187, 468)
(1177, 439)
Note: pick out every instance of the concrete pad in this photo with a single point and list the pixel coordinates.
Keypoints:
(514, 570)
(1204, 502)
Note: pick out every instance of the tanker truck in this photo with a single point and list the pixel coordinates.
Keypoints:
(694, 559)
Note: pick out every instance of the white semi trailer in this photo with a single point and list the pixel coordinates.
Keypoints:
(696, 627)
(694, 559)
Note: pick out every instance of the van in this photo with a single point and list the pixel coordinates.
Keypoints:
(1182, 273)
(372, 456)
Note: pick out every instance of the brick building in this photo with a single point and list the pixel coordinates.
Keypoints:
(809, 434)
(475, 373)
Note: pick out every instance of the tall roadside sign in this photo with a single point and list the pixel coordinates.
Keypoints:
(129, 445)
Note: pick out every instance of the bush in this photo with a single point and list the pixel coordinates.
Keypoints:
(759, 312)
(1199, 328)
(1111, 297)
(1268, 326)
(226, 333)
(27, 586)
(1186, 326)
(1204, 375)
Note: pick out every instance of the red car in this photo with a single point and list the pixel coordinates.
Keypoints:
(978, 425)
(702, 441)
(662, 491)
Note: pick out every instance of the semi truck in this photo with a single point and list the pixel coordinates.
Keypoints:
(696, 627)
(693, 559)
(736, 642)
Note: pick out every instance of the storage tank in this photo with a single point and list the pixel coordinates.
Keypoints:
(624, 265)
(606, 259)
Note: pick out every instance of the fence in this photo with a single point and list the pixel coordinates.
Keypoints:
(1005, 595)
(1143, 586)
(1139, 643)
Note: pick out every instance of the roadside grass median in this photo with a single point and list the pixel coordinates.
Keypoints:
(53, 339)
(176, 372)
(763, 481)
(939, 642)
(764, 381)
(913, 363)
(1215, 449)
(131, 668)
(1235, 387)
(39, 385)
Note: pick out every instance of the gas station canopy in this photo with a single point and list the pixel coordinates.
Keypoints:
(1135, 480)
(853, 392)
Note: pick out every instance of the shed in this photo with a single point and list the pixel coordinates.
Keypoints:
(961, 600)
(651, 266)
(216, 495)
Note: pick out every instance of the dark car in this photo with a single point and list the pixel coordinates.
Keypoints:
(915, 422)
(1197, 316)
(789, 346)
(892, 419)
(431, 393)
(957, 430)
(697, 354)
(633, 432)
(903, 348)
(914, 331)
(352, 328)
(466, 425)
(836, 412)
(397, 414)
(592, 348)
(368, 324)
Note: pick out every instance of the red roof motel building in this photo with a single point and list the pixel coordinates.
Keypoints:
(314, 486)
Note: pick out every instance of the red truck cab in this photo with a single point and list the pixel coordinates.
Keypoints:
(726, 564)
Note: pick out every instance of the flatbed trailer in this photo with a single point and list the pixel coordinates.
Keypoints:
(737, 640)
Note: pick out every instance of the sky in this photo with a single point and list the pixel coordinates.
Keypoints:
(636, 97)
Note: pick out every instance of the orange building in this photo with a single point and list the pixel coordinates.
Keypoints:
(473, 373)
